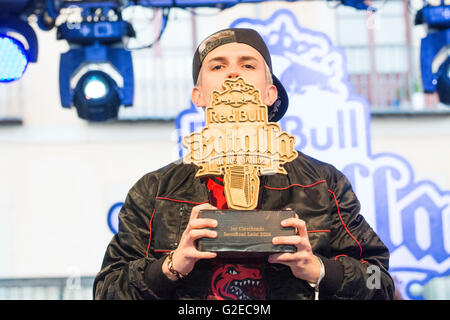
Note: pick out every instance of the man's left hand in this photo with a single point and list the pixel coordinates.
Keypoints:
(303, 263)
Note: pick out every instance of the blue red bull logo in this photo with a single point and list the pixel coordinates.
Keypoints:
(332, 123)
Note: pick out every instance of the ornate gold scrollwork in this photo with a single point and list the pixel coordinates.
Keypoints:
(239, 143)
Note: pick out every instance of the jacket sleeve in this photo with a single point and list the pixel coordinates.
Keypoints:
(359, 260)
(129, 271)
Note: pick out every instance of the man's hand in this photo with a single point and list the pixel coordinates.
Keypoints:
(186, 255)
(303, 263)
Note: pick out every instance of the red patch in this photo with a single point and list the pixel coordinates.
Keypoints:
(237, 282)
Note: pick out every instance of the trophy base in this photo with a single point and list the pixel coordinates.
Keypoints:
(246, 233)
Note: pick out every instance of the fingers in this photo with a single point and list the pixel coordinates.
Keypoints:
(199, 223)
(298, 224)
(290, 209)
(203, 223)
(196, 210)
(196, 234)
(198, 228)
(205, 255)
(287, 258)
(192, 254)
(282, 258)
(186, 253)
(300, 241)
(297, 241)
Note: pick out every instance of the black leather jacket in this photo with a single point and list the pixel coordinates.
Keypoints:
(157, 209)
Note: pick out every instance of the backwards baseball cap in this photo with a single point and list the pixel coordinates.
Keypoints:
(253, 39)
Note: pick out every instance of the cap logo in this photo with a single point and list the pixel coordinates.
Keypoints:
(215, 41)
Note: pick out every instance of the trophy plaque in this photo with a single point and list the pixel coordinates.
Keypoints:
(246, 233)
(240, 144)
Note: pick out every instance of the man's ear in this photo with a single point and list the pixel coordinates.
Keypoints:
(197, 97)
(271, 95)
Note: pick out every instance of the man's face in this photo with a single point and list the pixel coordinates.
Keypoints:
(230, 61)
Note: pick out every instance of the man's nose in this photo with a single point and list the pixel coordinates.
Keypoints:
(233, 75)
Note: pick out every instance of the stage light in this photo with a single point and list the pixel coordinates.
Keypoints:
(95, 86)
(18, 41)
(96, 80)
(95, 31)
(96, 74)
(435, 49)
(96, 96)
(13, 59)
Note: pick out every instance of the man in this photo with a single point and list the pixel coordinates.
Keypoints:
(153, 256)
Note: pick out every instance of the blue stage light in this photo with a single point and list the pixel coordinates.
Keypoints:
(95, 86)
(88, 72)
(13, 59)
(96, 96)
(434, 50)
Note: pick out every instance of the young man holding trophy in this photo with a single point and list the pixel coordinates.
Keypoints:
(245, 216)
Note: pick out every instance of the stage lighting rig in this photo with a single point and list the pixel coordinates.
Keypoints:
(225, 4)
(96, 74)
(435, 48)
(18, 41)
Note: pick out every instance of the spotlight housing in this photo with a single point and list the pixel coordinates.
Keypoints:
(96, 96)
(96, 62)
(86, 70)
(435, 49)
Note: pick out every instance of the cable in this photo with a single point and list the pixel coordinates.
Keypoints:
(165, 19)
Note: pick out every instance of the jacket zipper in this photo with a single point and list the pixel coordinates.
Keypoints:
(180, 220)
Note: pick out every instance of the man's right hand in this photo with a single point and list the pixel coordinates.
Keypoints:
(186, 255)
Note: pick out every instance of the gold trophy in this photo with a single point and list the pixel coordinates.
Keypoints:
(239, 143)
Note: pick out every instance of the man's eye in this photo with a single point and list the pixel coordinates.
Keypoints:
(249, 66)
(217, 67)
